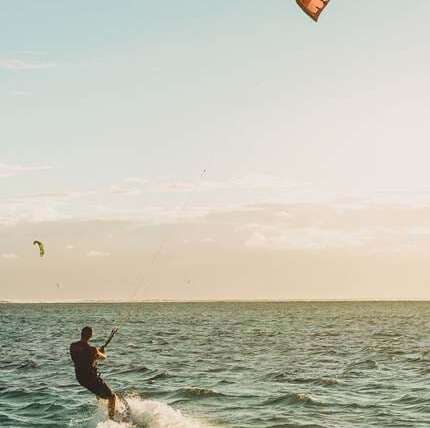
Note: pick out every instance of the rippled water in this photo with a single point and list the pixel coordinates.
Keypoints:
(222, 364)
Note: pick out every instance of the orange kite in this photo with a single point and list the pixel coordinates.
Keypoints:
(313, 8)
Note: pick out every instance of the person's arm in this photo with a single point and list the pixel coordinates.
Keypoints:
(99, 353)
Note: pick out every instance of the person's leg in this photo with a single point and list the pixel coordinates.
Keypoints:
(111, 406)
(102, 390)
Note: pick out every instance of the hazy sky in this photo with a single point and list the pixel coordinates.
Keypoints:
(268, 157)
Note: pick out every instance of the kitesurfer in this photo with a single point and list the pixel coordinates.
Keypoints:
(85, 358)
(41, 247)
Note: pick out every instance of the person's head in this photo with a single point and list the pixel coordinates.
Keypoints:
(86, 333)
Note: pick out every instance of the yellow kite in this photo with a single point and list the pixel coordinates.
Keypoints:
(41, 247)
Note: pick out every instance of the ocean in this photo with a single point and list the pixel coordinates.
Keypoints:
(241, 365)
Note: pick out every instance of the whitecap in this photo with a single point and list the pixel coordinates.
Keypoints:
(149, 414)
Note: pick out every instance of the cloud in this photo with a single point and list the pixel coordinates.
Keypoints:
(95, 253)
(136, 180)
(257, 239)
(17, 64)
(208, 240)
(270, 188)
(202, 183)
(308, 238)
(9, 256)
(124, 190)
(138, 185)
(14, 170)
(55, 196)
(47, 206)
(259, 198)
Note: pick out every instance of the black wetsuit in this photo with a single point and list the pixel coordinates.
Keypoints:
(85, 361)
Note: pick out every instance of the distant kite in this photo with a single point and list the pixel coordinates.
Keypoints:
(313, 8)
(41, 248)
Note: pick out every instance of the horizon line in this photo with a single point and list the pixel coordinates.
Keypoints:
(152, 301)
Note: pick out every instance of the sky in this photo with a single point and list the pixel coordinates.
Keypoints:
(199, 150)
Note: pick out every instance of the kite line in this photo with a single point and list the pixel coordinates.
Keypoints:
(154, 259)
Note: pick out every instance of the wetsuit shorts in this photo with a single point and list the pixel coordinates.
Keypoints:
(98, 387)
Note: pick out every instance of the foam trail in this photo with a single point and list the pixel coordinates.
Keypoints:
(152, 414)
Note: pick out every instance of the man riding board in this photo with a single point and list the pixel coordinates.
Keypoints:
(85, 358)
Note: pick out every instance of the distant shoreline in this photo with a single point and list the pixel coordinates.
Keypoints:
(121, 302)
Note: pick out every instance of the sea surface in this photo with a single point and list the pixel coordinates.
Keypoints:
(242, 365)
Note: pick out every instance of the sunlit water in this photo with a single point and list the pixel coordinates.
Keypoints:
(222, 365)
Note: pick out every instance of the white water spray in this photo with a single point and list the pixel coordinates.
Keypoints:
(149, 414)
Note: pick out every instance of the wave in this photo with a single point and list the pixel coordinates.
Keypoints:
(28, 364)
(390, 334)
(282, 377)
(296, 425)
(292, 398)
(411, 400)
(362, 365)
(138, 369)
(199, 393)
(286, 378)
(5, 365)
(217, 369)
(150, 414)
(132, 346)
(161, 375)
(328, 381)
